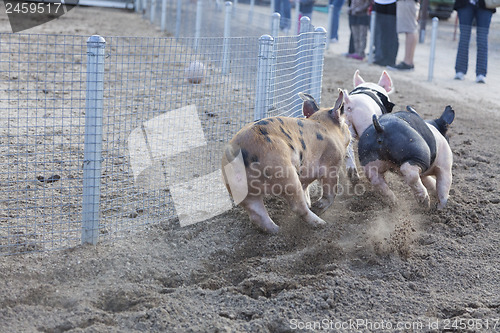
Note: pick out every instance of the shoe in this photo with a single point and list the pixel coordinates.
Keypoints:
(378, 63)
(355, 56)
(459, 76)
(480, 78)
(334, 40)
(402, 66)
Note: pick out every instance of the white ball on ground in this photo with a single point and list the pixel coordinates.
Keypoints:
(195, 72)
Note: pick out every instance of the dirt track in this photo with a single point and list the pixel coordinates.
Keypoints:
(380, 267)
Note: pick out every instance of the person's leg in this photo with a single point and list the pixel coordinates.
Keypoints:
(351, 49)
(277, 6)
(465, 16)
(386, 39)
(392, 41)
(355, 28)
(287, 15)
(483, 20)
(337, 6)
(410, 46)
(362, 42)
(406, 17)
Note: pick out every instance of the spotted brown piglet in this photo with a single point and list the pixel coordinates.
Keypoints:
(281, 156)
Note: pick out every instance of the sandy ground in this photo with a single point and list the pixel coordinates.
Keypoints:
(370, 269)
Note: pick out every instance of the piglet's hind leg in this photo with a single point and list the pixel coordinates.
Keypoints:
(411, 174)
(296, 198)
(329, 186)
(443, 185)
(254, 205)
(352, 171)
(377, 179)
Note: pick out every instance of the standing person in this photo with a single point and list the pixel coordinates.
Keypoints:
(386, 36)
(407, 23)
(350, 49)
(359, 21)
(334, 29)
(467, 10)
(284, 8)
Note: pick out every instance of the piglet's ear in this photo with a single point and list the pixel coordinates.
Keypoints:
(385, 82)
(309, 106)
(338, 109)
(357, 79)
(339, 103)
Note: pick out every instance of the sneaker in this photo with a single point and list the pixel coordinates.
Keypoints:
(459, 76)
(402, 66)
(334, 40)
(480, 78)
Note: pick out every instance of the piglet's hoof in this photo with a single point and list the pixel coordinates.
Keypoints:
(317, 222)
(392, 203)
(274, 229)
(320, 206)
(353, 175)
(440, 206)
(425, 202)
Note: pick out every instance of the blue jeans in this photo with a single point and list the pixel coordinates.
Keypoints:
(337, 6)
(283, 7)
(483, 19)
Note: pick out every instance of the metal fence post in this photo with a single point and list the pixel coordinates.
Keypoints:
(303, 60)
(250, 13)
(371, 44)
(275, 24)
(317, 62)
(227, 35)
(435, 22)
(295, 16)
(178, 19)
(93, 139)
(152, 13)
(264, 76)
(197, 29)
(330, 19)
(163, 23)
(305, 24)
(145, 4)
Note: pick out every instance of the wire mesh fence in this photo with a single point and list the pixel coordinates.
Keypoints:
(167, 111)
(206, 18)
(41, 140)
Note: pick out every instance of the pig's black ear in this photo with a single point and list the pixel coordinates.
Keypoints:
(377, 125)
(309, 106)
(448, 115)
(410, 109)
